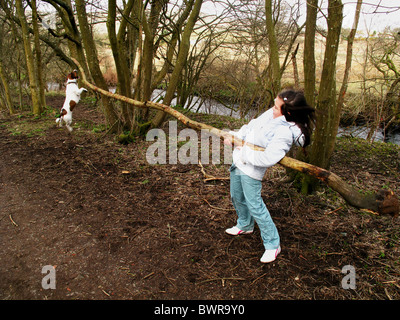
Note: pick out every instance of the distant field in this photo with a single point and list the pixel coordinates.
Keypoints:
(363, 73)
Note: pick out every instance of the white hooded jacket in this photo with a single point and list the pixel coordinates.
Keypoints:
(276, 136)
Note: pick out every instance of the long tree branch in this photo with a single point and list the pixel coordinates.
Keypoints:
(383, 202)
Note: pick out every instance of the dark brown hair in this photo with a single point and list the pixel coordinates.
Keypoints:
(297, 110)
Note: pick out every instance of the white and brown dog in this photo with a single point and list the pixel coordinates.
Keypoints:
(72, 97)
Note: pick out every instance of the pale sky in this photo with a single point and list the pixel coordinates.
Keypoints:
(371, 18)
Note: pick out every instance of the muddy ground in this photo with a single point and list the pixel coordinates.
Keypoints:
(116, 227)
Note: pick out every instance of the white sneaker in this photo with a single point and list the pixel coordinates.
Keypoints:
(270, 255)
(235, 231)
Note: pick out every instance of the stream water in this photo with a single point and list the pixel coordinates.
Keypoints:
(362, 132)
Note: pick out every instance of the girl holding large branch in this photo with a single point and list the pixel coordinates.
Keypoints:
(288, 122)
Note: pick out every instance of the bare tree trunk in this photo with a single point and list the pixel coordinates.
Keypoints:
(273, 49)
(38, 58)
(295, 69)
(94, 67)
(120, 59)
(74, 39)
(149, 27)
(181, 60)
(19, 56)
(349, 56)
(326, 130)
(36, 108)
(8, 99)
(384, 202)
(309, 52)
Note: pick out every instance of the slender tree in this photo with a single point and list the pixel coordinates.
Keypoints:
(327, 115)
(180, 61)
(7, 99)
(38, 56)
(119, 52)
(349, 58)
(71, 33)
(36, 106)
(4, 81)
(94, 66)
(309, 52)
(273, 49)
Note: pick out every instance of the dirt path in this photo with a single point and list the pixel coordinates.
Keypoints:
(157, 232)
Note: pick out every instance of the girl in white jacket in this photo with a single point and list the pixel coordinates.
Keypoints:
(288, 122)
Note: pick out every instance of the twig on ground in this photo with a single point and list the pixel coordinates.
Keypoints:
(13, 222)
(208, 177)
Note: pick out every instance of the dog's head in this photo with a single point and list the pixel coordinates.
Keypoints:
(73, 75)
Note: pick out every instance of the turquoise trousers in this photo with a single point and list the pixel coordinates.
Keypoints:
(250, 207)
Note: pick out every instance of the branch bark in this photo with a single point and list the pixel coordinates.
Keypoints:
(383, 202)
